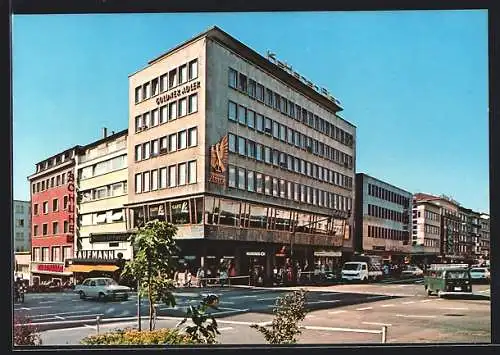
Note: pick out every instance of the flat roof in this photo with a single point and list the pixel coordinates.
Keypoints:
(382, 181)
(228, 41)
(108, 138)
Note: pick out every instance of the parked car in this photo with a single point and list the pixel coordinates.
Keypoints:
(102, 288)
(412, 271)
(480, 274)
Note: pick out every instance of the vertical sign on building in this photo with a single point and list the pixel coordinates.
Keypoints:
(71, 202)
(219, 153)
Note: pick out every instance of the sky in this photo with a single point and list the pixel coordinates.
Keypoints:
(414, 83)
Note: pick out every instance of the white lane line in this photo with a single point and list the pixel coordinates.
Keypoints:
(425, 301)
(388, 305)
(30, 308)
(43, 302)
(243, 296)
(89, 326)
(413, 316)
(455, 308)
(228, 312)
(363, 309)
(315, 302)
(337, 312)
(225, 328)
(267, 299)
(409, 302)
(58, 314)
(342, 329)
(376, 323)
(58, 317)
(226, 302)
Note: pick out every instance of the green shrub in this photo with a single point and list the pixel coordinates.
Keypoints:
(135, 337)
(24, 332)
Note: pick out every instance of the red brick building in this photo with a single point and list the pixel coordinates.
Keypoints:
(53, 201)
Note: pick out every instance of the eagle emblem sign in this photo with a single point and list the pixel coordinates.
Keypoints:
(219, 153)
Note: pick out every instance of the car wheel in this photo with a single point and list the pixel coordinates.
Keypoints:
(440, 295)
(101, 297)
(429, 292)
(82, 295)
(125, 297)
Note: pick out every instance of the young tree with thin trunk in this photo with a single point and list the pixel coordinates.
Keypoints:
(154, 248)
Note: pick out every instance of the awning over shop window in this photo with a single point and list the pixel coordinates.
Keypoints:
(89, 268)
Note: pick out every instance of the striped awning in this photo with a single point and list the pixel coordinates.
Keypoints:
(90, 268)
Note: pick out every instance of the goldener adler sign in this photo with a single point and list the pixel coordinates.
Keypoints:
(178, 92)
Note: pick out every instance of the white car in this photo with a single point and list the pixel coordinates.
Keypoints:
(412, 271)
(480, 274)
(102, 288)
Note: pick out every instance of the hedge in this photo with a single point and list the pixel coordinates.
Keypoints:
(135, 337)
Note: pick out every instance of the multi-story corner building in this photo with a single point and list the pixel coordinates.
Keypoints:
(469, 232)
(426, 231)
(450, 226)
(483, 249)
(249, 161)
(381, 218)
(53, 199)
(22, 226)
(101, 236)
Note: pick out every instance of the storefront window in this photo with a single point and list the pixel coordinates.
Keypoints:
(282, 221)
(180, 212)
(258, 217)
(229, 213)
(138, 217)
(211, 210)
(199, 211)
(303, 221)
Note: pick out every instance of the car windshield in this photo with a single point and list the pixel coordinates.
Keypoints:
(456, 275)
(351, 266)
(110, 282)
(476, 270)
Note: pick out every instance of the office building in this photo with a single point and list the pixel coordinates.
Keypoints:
(381, 219)
(251, 161)
(426, 231)
(483, 249)
(22, 226)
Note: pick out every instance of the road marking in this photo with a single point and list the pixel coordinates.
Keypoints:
(58, 317)
(388, 305)
(376, 323)
(455, 308)
(342, 329)
(413, 316)
(58, 314)
(243, 296)
(42, 302)
(425, 301)
(409, 302)
(30, 308)
(231, 311)
(363, 309)
(90, 326)
(315, 302)
(267, 299)
(337, 312)
(225, 328)
(226, 302)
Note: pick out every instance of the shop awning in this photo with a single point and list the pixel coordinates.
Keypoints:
(89, 268)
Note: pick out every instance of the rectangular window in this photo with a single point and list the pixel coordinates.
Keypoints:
(146, 181)
(55, 205)
(193, 69)
(242, 115)
(65, 202)
(172, 111)
(66, 226)
(277, 101)
(267, 185)
(183, 71)
(260, 93)
(138, 152)
(232, 176)
(138, 96)
(138, 183)
(269, 97)
(193, 103)
(282, 188)
(250, 149)
(290, 136)
(232, 111)
(145, 151)
(259, 183)
(164, 114)
(154, 148)
(251, 88)
(45, 229)
(182, 174)
(251, 119)
(250, 181)
(242, 83)
(146, 119)
(172, 142)
(154, 117)
(154, 180)
(163, 178)
(55, 228)
(46, 207)
(260, 122)
(258, 151)
(35, 230)
(275, 187)
(163, 144)
(233, 78)
(267, 155)
(241, 146)
(155, 88)
(192, 172)
(241, 179)
(192, 137)
(232, 142)
(268, 125)
(283, 133)
(146, 91)
(182, 140)
(289, 190)
(182, 107)
(276, 130)
(172, 78)
(163, 83)
(172, 176)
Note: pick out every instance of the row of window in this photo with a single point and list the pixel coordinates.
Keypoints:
(55, 229)
(252, 181)
(429, 215)
(385, 213)
(101, 217)
(432, 229)
(387, 233)
(189, 211)
(265, 125)
(171, 143)
(169, 80)
(55, 181)
(97, 193)
(433, 243)
(384, 194)
(171, 176)
(166, 113)
(55, 254)
(281, 104)
(259, 152)
(55, 206)
(103, 167)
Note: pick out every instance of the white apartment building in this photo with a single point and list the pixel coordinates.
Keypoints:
(426, 229)
(22, 226)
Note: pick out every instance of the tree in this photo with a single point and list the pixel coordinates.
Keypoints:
(152, 265)
(199, 332)
(289, 311)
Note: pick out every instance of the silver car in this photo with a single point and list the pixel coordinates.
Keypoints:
(102, 288)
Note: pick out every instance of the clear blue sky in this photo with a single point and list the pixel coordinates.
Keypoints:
(414, 83)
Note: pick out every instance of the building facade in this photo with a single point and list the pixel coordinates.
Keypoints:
(381, 219)
(53, 202)
(22, 226)
(250, 163)
(426, 231)
(101, 235)
(483, 249)
(22, 266)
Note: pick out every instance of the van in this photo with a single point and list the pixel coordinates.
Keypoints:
(360, 271)
(448, 281)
